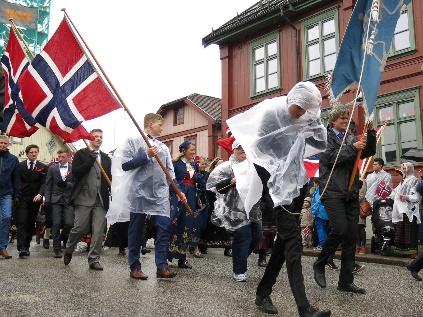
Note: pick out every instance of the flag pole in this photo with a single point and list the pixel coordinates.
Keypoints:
(122, 102)
(357, 158)
(31, 57)
(378, 139)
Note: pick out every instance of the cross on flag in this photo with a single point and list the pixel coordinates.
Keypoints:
(17, 121)
(61, 88)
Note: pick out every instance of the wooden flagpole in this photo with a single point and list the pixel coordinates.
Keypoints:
(378, 139)
(357, 159)
(19, 35)
(122, 102)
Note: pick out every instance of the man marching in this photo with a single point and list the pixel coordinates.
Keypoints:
(342, 205)
(276, 135)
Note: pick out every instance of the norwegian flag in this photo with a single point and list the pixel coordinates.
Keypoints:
(311, 165)
(383, 190)
(61, 88)
(17, 121)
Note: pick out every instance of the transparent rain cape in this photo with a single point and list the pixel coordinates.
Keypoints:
(229, 211)
(142, 190)
(279, 143)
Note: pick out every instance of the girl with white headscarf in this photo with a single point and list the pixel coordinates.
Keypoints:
(406, 213)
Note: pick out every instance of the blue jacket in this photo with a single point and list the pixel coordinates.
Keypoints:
(317, 208)
(10, 181)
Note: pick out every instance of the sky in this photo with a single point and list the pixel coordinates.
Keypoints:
(151, 51)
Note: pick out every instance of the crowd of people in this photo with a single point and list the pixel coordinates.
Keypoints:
(260, 200)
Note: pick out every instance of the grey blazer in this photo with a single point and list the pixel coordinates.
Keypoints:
(54, 193)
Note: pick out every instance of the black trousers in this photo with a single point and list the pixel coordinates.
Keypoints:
(417, 264)
(62, 218)
(25, 223)
(287, 248)
(343, 219)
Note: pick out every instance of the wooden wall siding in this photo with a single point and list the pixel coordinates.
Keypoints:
(401, 72)
(192, 119)
(40, 138)
(202, 143)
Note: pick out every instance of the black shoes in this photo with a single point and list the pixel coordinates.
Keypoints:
(46, 243)
(262, 263)
(96, 266)
(351, 288)
(183, 264)
(358, 268)
(227, 252)
(265, 305)
(58, 254)
(144, 251)
(319, 275)
(414, 274)
(67, 258)
(332, 265)
(311, 311)
(24, 253)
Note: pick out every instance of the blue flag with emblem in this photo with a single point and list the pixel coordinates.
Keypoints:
(382, 16)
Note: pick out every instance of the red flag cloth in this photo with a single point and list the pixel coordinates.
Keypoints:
(61, 88)
(17, 121)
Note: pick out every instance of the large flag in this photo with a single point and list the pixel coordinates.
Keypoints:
(16, 120)
(61, 88)
(383, 17)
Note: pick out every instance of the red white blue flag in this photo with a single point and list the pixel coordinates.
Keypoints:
(17, 121)
(61, 88)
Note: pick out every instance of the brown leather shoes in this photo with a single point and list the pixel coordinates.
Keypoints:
(138, 275)
(165, 273)
(5, 254)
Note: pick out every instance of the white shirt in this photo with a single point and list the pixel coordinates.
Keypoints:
(28, 163)
(63, 170)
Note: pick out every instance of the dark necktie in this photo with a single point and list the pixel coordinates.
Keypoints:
(31, 165)
(341, 135)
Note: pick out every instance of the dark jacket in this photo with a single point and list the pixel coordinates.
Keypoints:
(82, 163)
(338, 184)
(10, 182)
(56, 190)
(32, 182)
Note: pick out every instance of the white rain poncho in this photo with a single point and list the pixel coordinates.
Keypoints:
(373, 181)
(407, 187)
(274, 140)
(144, 189)
(229, 211)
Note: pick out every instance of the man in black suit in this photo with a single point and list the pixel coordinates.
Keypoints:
(90, 198)
(58, 190)
(33, 175)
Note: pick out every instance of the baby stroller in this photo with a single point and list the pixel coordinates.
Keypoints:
(383, 228)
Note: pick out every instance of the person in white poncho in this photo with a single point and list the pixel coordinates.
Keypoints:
(276, 135)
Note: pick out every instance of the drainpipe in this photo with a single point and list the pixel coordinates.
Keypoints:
(297, 41)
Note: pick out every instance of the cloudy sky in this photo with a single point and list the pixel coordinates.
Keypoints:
(151, 50)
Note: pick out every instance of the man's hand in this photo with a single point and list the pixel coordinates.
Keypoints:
(233, 181)
(360, 145)
(182, 198)
(152, 151)
(37, 198)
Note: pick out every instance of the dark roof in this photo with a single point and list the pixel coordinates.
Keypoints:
(262, 10)
(210, 105)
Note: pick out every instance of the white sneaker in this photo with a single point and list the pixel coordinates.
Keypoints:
(240, 277)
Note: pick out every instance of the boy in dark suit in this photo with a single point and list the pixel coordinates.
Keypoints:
(58, 190)
(90, 198)
(33, 175)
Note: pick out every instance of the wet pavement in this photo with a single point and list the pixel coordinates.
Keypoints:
(43, 286)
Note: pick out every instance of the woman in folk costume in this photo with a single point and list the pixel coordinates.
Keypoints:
(184, 233)
(276, 135)
(229, 212)
(406, 213)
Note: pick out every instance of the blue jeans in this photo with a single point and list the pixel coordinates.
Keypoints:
(321, 230)
(245, 239)
(5, 217)
(135, 240)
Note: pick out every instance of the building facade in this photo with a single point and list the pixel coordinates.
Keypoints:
(272, 45)
(195, 118)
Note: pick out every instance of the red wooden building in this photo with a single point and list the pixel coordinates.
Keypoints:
(272, 45)
(195, 118)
